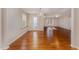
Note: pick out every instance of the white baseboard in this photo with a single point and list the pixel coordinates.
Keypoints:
(18, 36)
(14, 39)
(75, 46)
(37, 30)
(4, 47)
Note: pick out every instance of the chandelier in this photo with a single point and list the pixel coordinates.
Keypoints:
(40, 12)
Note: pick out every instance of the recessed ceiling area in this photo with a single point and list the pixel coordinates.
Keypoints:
(54, 12)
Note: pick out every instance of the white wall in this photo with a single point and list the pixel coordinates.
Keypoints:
(75, 28)
(12, 25)
(64, 22)
(56, 22)
(49, 21)
(0, 28)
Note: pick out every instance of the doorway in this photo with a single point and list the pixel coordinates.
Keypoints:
(35, 23)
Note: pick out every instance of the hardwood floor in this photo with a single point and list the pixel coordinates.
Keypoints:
(43, 40)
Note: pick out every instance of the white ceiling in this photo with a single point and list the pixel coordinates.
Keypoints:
(49, 11)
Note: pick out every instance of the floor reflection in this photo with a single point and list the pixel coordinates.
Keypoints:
(35, 39)
(23, 45)
(49, 32)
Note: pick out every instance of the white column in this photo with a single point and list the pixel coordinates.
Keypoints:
(0, 28)
(75, 28)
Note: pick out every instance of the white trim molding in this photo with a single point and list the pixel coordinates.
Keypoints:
(0, 28)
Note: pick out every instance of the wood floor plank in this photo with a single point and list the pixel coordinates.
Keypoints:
(43, 40)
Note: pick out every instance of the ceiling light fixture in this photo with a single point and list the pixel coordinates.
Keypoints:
(40, 13)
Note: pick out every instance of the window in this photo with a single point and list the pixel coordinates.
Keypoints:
(35, 22)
